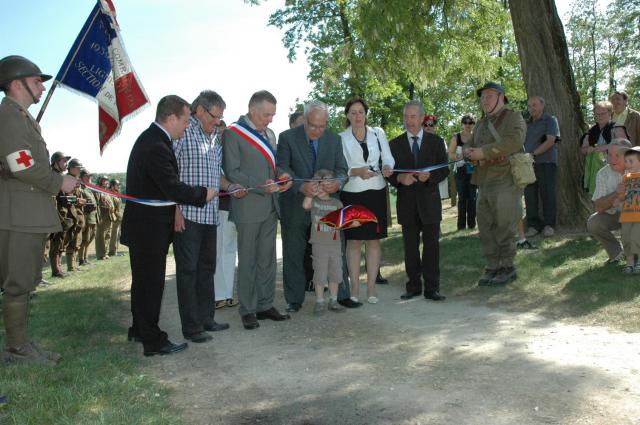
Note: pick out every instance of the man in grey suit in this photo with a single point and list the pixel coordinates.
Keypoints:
(302, 151)
(248, 159)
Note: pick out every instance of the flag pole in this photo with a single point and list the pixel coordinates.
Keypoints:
(56, 82)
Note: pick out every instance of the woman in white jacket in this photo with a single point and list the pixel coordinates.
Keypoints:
(369, 160)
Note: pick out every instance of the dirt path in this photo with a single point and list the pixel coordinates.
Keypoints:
(403, 362)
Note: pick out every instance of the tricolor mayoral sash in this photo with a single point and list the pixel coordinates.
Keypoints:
(257, 140)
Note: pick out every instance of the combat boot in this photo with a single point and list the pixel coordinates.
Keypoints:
(487, 276)
(19, 349)
(55, 266)
(504, 276)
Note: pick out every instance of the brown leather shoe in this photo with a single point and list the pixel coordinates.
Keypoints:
(272, 314)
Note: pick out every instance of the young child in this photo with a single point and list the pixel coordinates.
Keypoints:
(629, 195)
(326, 250)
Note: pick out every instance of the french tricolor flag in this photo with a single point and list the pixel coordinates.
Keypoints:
(97, 66)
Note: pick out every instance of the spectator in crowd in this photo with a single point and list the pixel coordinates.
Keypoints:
(59, 239)
(497, 135)
(629, 199)
(463, 171)
(73, 239)
(594, 142)
(606, 219)
(369, 160)
(107, 216)
(296, 119)
(90, 218)
(429, 124)
(626, 117)
(118, 211)
(542, 135)
(226, 244)
(418, 203)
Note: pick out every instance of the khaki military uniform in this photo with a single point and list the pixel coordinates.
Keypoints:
(27, 213)
(103, 230)
(73, 239)
(91, 220)
(499, 205)
(115, 225)
(59, 240)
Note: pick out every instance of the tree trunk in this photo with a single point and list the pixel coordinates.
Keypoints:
(547, 72)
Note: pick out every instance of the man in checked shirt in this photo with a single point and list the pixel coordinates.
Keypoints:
(199, 157)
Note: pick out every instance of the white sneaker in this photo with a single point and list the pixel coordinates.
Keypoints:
(355, 299)
(531, 232)
(372, 300)
(548, 231)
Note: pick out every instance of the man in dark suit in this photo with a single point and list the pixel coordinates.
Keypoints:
(152, 173)
(418, 203)
(302, 151)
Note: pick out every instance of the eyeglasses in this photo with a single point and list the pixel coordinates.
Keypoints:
(215, 117)
(316, 127)
(467, 122)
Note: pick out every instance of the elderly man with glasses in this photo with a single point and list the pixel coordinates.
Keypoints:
(302, 151)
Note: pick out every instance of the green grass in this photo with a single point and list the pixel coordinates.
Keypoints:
(563, 279)
(99, 380)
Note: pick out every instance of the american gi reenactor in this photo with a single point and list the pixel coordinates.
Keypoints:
(27, 207)
(90, 218)
(114, 186)
(499, 134)
(107, 216)
(73, 238)
(63, 200)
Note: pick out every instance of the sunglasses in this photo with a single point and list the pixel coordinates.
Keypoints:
(468, 122)
(429, 124)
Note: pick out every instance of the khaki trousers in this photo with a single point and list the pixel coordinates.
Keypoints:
(600, 226)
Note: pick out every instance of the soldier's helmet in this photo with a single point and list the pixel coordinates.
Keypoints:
(101, 179)
(114, 182)
(15, 67)
(75, 162)
(57, 156)
(84, 172)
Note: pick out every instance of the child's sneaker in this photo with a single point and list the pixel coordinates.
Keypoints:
(335, 307)
(319, 309)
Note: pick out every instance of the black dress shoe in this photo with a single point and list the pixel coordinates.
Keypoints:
(132, 336)
(272, 314)
(408, 295)
(349, 303)
(199, 337)
(249, 321)
(381, 280)
(215, 327)
(293, 307)
(309, 286)
(435, 296)
(168, 348)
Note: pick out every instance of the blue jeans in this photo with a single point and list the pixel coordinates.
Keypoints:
(545, 189)
(195, 254)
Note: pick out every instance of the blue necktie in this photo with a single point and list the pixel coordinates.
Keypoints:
(313, 151)
(415, 149)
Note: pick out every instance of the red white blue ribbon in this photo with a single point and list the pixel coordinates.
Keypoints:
(257, 140)
(149, 202)
(426, 169)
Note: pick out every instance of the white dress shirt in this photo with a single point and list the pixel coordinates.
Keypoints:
(353, 155)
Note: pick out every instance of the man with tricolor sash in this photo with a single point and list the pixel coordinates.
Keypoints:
(27, 206)
(249, 160)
